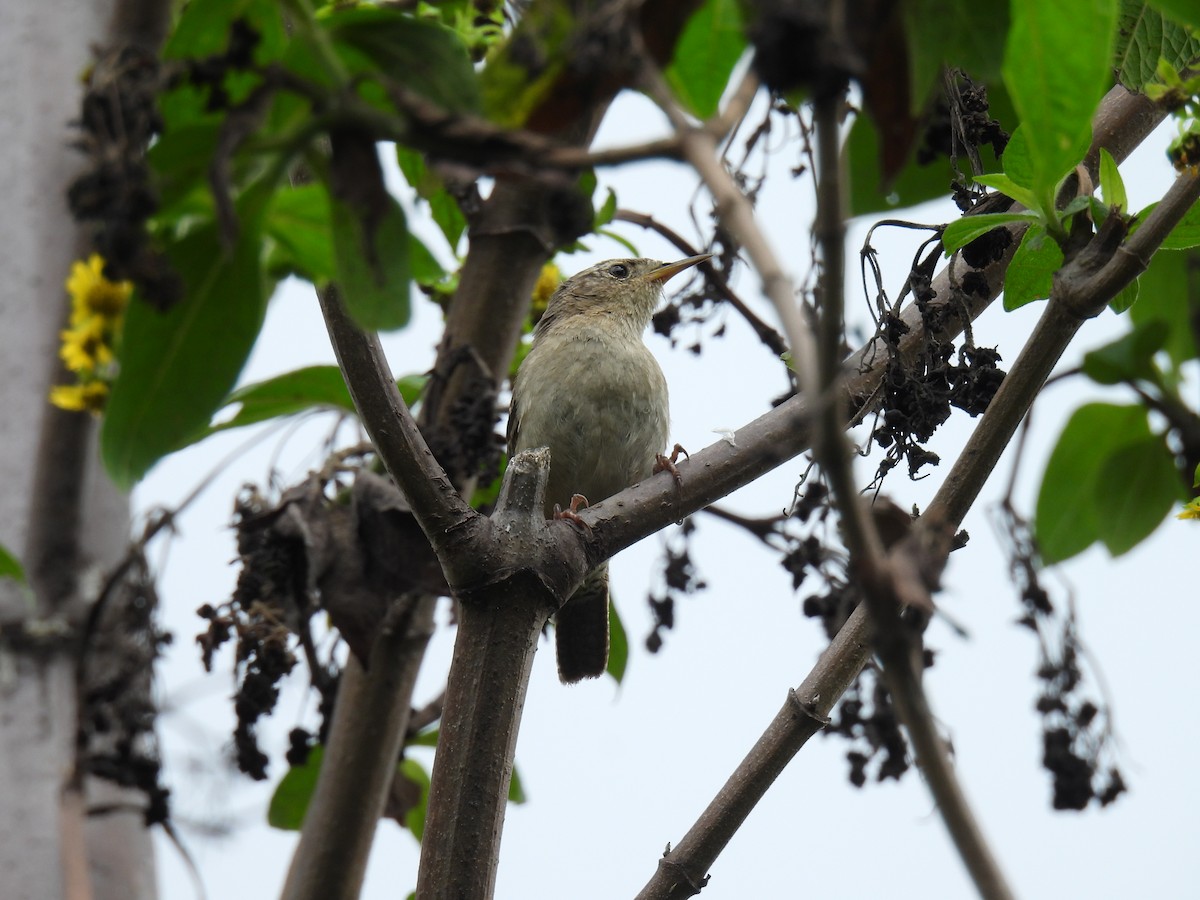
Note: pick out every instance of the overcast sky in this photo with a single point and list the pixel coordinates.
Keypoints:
(613, 775)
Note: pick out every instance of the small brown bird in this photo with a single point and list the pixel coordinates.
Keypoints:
(591, 392)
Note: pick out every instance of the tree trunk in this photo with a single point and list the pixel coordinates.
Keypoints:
(59, 515)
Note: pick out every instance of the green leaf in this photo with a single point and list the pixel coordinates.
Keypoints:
(295, 393)
(1057, 65)
(180, 159)
(1130, 357)
(429, 187)
(1137, 487)
(1018, 164)
(373, 271)
(203, 28)
(516, 790)
(423, 56)
(607, 210)
(1126, 297)
(298, 221)
(414, 818)
(1185, 11)
(10, 566)
(177, 367)
(426, 270)
(962, 231)
(294, 792)
(1009, 188)
(960, 33)
(313, 387)
(711, 44)
(1067, 520)
(1031, 273)
(1111, 184)
(618, 644)
(1170, 293)
(915, 184)
(1185, 234)
(427, 738)
(1144, 37)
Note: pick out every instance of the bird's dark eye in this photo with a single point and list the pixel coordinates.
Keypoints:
(619, 271)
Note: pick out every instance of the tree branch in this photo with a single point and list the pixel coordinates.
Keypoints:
(360, 758)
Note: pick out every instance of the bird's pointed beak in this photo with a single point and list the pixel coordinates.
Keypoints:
(670, 269)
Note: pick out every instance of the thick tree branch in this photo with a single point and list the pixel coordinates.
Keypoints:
(360, 758)
(435, 502)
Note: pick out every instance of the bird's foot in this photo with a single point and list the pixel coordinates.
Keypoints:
(571, 514)
(664, 463)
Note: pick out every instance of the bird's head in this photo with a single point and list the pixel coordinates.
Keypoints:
(627, 290)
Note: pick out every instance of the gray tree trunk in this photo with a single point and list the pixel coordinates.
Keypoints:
(58, 513)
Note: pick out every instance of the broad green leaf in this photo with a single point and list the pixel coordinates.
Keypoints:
(1184, 235)
(429, 187)
(298, 221)
(1170, 293)
(1067, 521)
(1031, 273)
(1186, 11)
(1126, 297)
(414, 818)
(1136, 488)
(177, 367)
(313, 387)
(426, 269)
(607, 210)
(373, 271)
(1144, 37)
(962, 231)
(915, 183)
(427, 738)
(1018, 164)
(1111, 184)
(10, 566)
(1009, 188)
(1128, 358)
(711, 44)
(1057, 65)
(203, 30)
(294, 792)
(423, 56)
(960, 33)
(618, 644)
(180, 159)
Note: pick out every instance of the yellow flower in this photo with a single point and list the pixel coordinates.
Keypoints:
(1191, 511)
(547, 283)
(90, 396)
(94, 295)
(85, 347)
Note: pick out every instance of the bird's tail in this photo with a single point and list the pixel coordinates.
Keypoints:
(581, 630)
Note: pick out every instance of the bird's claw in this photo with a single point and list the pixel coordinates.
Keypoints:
(664, 463)
(572, 513)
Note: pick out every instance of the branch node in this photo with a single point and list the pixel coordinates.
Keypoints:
(809, 707)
